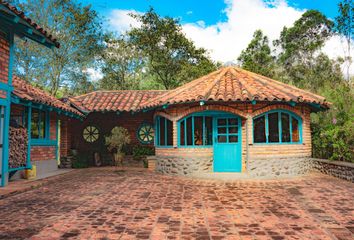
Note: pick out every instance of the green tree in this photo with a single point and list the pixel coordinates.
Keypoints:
(257, 56)
(299, 42)
(172, 59)
(122, 65)
(79, 30)
(299, 46)
(344, 26)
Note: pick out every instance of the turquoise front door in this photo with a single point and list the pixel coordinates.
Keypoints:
(227, 144)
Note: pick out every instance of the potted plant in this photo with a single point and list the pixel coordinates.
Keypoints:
(115, 141)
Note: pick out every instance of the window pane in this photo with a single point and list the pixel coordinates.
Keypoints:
(233, 121)
(169, 133)
(259, 135)
(42, 125)
(273, 127)
(222, 130)
(189, 131)
(208, 131)
(233, 139)
(295, 130)
(221, 122)
(162, 132)
(181, 133)
(198, 130)
(233, 129)
(35, 124)
(222, 139)
(285, 127)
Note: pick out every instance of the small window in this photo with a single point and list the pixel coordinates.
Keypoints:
(38, 124)
(91, 134)
(276, 127)
(145, 133)
(259, 134)
(196, 131)
(273, 127)
(164, 132)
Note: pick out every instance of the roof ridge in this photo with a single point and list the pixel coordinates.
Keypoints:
(283, 84)
(223, 72)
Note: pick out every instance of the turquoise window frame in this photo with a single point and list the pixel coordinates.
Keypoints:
(279, 111)
(157, 132)
(203, 115)
(213, 114)
(46, 141)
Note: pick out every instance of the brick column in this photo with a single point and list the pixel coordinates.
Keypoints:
(175, 133)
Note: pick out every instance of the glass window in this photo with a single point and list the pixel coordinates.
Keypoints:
(295, 135)
(164, 131)
(275, 127)
(38, 124)
(189, 131)
(259, 134)
(208, 136)
(182, 131)
(196, 131)
(285, 127)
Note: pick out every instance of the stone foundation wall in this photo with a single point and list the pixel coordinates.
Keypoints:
(183, 166)
(343, 170)
(279, 167)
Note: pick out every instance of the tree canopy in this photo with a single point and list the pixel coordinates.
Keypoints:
(171, 58)
(80, 31)
(257, 56)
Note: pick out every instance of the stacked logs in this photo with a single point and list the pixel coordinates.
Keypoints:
(18, 141)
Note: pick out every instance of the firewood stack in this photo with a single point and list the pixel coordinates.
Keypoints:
(18, 141)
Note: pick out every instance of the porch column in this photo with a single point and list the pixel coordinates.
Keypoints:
(249, 137)
(175, 133)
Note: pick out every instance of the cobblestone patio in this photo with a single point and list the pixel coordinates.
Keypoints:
(101, 203)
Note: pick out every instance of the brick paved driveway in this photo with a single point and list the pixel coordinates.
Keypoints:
(103, 204)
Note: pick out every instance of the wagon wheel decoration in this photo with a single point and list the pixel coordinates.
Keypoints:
(91, 134)
(146, 133)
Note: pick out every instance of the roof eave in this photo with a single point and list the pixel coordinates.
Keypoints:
(24, 30)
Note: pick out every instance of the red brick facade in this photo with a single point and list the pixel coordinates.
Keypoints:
(105, 122)
(4, 63)
(39, 153)
(43, 153)
(247, 112)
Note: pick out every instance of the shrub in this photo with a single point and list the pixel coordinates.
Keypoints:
(141, 151)
(115, 141)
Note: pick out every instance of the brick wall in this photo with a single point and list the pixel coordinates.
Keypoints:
(105, 122)
(247, 112)
(39, 153)
(65, 136)
(42, 153)
(4, 63)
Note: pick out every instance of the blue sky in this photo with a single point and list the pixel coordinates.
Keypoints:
(223, 27)
(210, 11)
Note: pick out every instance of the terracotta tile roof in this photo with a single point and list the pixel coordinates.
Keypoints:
(22, 15)
(121, 100)
(26, 91)
(235, 84)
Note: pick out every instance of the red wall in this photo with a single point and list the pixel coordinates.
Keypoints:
(105, 122)
(39, 153)
(4, 63)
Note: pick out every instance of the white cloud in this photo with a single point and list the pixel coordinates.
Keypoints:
(94, 74)
(121, 21)
(225, 40)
